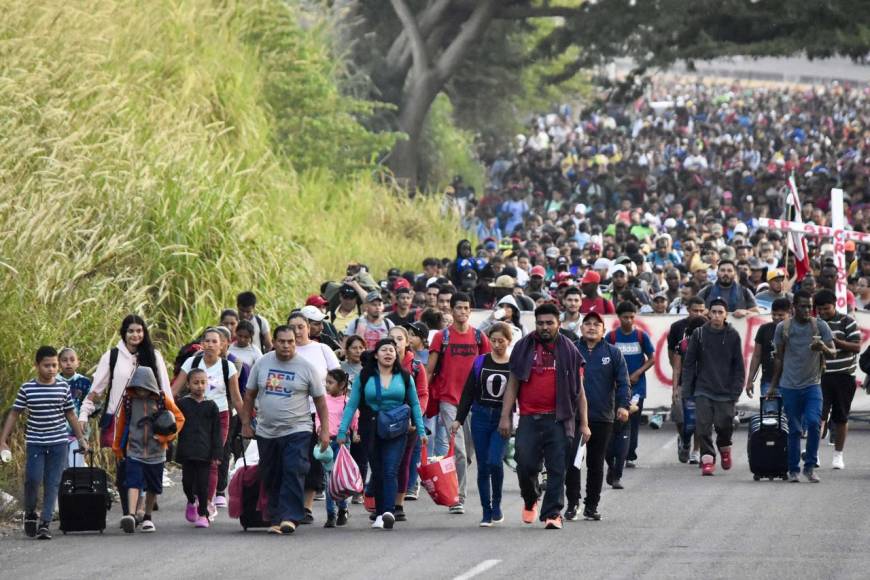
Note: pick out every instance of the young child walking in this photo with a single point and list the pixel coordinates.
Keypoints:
(336, 400)
(49, 408)
(79, 387)
(199, 446)
(142, 436)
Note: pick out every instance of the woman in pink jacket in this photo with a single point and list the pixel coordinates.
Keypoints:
(114, 371)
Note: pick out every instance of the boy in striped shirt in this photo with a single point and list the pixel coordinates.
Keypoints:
(49, 407)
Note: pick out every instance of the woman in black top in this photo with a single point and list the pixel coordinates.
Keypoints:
(483, 394)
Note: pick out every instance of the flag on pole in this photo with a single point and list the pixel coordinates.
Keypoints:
(797, 243)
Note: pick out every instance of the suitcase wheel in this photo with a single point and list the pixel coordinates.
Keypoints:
(64, 533)
(769, 479)
(756, 478)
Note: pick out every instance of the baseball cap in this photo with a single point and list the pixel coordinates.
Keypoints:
(504, 281)
(660, 296)
(552, 252)
(317, 300)
(591, 277)
(313, 313)
(538, 271)
(421, 329)
(593, 314)
(561, 261)
(618, 268)
(347, 291)
(850, 245)
(774, 274)
(601, 264)
(756, 264)
(401, 283)
(373, 296)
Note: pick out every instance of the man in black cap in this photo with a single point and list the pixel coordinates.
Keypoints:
(348, 308)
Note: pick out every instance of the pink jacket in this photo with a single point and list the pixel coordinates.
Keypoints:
(123, 371)
(335, 407)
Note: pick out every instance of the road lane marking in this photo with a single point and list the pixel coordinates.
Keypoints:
(479, 569)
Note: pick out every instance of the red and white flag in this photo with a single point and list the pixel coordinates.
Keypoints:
(797, 243)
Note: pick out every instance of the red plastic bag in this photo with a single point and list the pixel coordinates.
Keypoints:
(345, 479)
(439, 478)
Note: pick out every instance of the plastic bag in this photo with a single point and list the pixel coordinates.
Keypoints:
(345, 479)
(439, 477)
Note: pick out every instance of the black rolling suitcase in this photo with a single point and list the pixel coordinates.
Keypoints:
(84, 499)
(768, 441)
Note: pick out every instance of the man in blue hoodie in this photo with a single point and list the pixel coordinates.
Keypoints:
(608, 393)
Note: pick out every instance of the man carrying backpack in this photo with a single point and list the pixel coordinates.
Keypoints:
(246, 304)
(714, 374)
(801, 344)
(451, 356)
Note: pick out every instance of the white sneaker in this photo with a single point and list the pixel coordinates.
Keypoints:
(148, 527)
(378, 524)
(695, 457)
(838, 462)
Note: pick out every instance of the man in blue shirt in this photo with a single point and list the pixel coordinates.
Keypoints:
(637, 348)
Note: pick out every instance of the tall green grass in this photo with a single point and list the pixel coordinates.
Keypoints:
(160, 156)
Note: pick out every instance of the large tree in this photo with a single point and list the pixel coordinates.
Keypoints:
(411, 49)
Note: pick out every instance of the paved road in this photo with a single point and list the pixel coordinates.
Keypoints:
(669, 522)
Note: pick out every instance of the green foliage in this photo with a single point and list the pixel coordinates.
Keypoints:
(447, 150)
(147, 165)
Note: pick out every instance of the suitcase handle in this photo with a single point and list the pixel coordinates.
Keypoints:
(777, 399)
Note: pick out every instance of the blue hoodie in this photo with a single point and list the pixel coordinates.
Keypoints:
(605, 380)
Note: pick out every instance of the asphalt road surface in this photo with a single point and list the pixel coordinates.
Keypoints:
(669, 522)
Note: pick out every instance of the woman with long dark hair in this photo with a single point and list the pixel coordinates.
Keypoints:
(386, 397)
(114, 371)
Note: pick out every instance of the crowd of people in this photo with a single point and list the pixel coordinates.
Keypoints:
(643, 209)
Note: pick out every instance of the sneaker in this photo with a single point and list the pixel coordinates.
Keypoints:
(399, 512)
(30, 524)
(212, 511)
(682, 452)
(793, 477)
(811, 476)
(553, 523)
(388, 519)
(708, 468)
(190, 513)
(617, 484)
(320, 497)
(457, 509)
(43, 533)
(497, 516)
(275, 530)
(148, 527)
(571, 512)
(591, 514)
(694, 457)
(804, 459)
(486, 520)
(220, 501)
(357, 499)
(201, 522)
(128, 524)
(838, 462)
(529, 514)
(308, 518)
(413, 494)
(725, 459)
(343, 516)
(378, 524)
(630, 464)
(330, 521)
(287, 527)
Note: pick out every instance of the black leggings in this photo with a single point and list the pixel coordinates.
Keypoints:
(194, 481)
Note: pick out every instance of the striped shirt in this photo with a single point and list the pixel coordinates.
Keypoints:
(843, 328)
(46, 407)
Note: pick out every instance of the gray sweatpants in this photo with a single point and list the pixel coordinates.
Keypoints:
(447, 414)
(710, 414)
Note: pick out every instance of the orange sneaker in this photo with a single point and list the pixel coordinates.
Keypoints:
(529, 515)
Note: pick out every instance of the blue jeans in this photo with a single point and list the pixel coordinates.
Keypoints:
(45, 465)
(489, 448)
(283, 467)
(330, 503)
(384, 458)
(439, 442)
(803, 408)
(634, 424)
(413, 476)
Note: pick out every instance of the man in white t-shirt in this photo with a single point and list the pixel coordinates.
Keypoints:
(322, 359)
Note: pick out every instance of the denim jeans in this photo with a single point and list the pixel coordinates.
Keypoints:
(331, 509)
(803, 408)
(542, 437)
(283, 466)
(439, 439)
(385, 456)
(634, 426)
(45, 465)
(416, 456)
(489, 447)
(617, 450)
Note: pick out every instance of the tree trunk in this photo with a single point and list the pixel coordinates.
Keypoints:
(404, 159)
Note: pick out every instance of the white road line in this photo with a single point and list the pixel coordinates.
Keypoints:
(479, 569)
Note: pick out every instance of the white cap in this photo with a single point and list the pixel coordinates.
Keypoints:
(670, 223)
(313, 313)
(580, 208)
(432, 280)
(552, 252)
(601, 264)
(741, 228)
(618, 268)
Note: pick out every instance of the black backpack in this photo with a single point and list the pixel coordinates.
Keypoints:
(225, 367)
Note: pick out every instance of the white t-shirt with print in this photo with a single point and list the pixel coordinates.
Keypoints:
(217, 390)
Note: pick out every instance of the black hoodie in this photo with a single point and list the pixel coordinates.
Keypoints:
(713, 366)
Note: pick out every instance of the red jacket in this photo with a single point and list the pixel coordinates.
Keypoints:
(418, 372)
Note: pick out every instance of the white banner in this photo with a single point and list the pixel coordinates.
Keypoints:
(659, 379)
